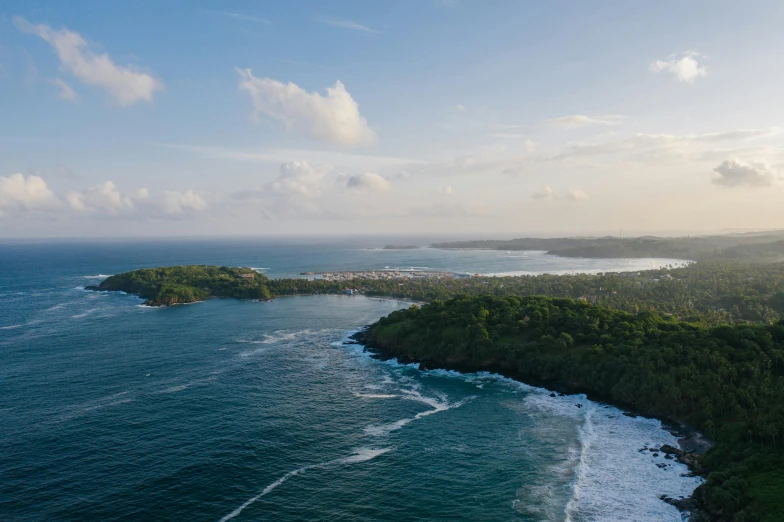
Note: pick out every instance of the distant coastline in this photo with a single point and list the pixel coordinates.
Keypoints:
(747, 247)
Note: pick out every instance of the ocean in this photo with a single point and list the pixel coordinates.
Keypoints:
(238, 410)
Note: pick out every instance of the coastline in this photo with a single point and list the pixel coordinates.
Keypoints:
(691, 442)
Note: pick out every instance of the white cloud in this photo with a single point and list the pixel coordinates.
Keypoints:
(126, 85)
(367, 181)
(333, 118)
(106, 198)
(66, 91)
(297, 178)
(548, 194)
(685, 67)
(18, 192)
(348, 24)
(179, 202)
(446, 191)
(295, 193)
(101, 198)
(578, 120)
(733, 173)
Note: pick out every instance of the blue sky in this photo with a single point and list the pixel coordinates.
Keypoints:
(168, 118)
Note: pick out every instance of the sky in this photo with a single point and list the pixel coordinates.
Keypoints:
(470, 118)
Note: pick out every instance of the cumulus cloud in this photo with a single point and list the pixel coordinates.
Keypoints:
(19, 192)
(367, 181)
(125, 84)
(178, 202)
(733, 173)
(66, 91)
(296, 193)
(578, 120)
(333, 117)
(104, 197)
(684, 67)
(548, 194)
(297, 178)
(298, 181)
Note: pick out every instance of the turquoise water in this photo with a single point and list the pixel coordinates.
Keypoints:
(232, 410)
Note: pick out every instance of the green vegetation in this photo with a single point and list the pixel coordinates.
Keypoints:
(726, 380)
(702, 344)
(745, 247)
(188, 284)
(712, 293)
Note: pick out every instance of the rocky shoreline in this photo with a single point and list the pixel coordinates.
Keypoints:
(691, 443)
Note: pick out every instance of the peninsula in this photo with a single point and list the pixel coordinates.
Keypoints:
(727, 381)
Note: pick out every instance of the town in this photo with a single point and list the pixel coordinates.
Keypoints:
(384, 274)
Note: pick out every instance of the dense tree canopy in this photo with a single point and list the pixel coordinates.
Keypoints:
(726, 380)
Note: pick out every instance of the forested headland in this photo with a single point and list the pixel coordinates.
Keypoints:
(727, 380)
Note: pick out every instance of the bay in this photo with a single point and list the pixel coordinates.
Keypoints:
(234, 410)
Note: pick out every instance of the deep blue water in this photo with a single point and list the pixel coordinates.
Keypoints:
(234, 410)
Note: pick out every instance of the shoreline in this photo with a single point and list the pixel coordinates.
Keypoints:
(691, 442)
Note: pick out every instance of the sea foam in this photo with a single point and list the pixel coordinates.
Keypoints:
(359, 455)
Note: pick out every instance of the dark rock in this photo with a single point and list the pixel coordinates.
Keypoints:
(655, 454)
(668, 456)
(552, 395)
(579, 405)
(692, 461)
(661, 465)
(687, 504)
(694, 442)
(670, 450)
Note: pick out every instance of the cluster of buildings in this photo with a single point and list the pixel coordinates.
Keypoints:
(378, 275)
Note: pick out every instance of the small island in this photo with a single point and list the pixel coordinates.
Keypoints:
(400, 247)
(188, 284)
